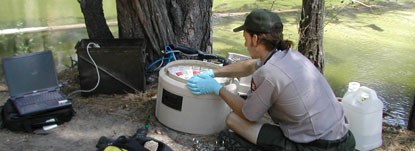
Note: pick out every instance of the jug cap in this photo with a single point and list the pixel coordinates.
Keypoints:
(353, 86)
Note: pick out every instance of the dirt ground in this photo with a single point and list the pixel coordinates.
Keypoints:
(116, 115)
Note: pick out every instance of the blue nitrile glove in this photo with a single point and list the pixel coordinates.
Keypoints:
(203, 84)
(208, 72)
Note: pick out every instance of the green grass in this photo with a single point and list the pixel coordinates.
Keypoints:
(247, 5)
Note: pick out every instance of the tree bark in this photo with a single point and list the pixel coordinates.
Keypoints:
(163, 22)
(311, 32)
(95, 21)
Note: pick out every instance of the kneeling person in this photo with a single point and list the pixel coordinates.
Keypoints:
(305, 112)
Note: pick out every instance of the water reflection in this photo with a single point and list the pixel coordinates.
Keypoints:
(61, 43)
(50, 15)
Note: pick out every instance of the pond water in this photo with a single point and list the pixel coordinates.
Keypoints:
(374, 48)
(377, 50)
(30, 15)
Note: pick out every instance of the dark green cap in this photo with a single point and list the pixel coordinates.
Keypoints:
(259, 20)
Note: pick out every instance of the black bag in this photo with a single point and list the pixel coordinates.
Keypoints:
(14, 122)
(130, 143)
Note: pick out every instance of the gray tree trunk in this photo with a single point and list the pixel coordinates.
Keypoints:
(162, 22)
(311, 32)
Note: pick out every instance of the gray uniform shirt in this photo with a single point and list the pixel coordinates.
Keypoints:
(297, 97)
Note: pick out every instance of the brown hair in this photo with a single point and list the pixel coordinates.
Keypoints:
(274, 39)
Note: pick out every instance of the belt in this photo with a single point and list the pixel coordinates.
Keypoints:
(328, 143)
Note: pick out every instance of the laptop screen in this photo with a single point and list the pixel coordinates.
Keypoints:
(30, 73)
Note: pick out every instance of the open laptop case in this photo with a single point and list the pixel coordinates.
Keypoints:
(33, 84)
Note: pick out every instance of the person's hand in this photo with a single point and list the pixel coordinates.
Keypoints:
(203, 84)
(208, 72)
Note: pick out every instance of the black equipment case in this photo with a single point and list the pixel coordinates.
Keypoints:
(14, 122)
(120, 63)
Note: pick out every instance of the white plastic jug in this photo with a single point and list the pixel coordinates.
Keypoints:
(363, 110)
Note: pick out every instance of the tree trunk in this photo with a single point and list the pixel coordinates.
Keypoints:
(162, 22)
(311, 32)
(411, 121)
(95, 21)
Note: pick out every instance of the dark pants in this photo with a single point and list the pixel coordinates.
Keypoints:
(271, 138)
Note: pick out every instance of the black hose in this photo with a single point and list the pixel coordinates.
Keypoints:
(201, 55)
